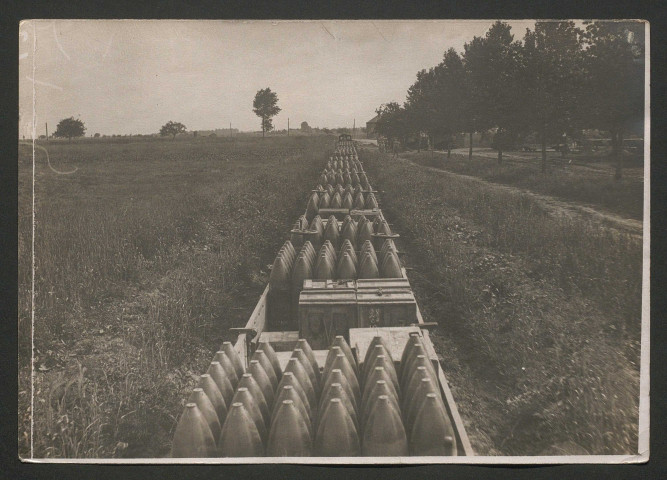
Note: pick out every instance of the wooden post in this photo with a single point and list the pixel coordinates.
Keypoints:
(47, 131)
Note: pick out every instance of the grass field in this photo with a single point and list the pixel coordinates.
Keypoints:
(588, 183)
(144, 257)
(539, 316)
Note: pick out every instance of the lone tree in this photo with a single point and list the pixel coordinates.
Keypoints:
(305, 127)
(70, 127)
(266, 106)
(172, 128)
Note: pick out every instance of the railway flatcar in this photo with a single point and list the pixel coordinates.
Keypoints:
(335, 360)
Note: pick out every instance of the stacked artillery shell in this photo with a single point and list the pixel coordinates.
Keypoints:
(377, 407)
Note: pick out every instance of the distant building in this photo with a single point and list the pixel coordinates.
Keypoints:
(370, 127)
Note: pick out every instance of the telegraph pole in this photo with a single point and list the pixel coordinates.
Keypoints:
(230, 129)
(354, 126)
(288, 126)
(47, 131)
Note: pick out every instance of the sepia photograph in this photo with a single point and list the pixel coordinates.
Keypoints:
(333, 241)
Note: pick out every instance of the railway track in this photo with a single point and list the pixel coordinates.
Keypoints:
(335, 360)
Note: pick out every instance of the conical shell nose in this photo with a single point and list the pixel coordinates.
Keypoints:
(337, 390)
(383, 361)
(309, 251)
(367, 247)
(239, 436)
(206, 408)
(359, 202)
(347, 201)
(279, 279)
(346, 268)
(331, 233)
(289, 435)
(263, 359)
(346, 247)
(249, 382)
(336, 376)
(364, 232)
(413, 367)
(214, 395)
(244, 396)
(432, 432)
(413, 338)
(336, 435)
(263, 380)
(294, 366)
(303, 344)
(336, 201)
(219, 376)
(425, 386)
(289, 379)
(234, 356)
(300, 355)
(349, 232)
(341, 363)
(325, 200)
(371, 352)
(372, 393)
(323, 268)
(272, 356)
(303, 269)
(340, 342)
(371, 201)
(368, 267)
(227, 365)
(384, 434)
(377, 374)
(313, 205)
(391, 267)
(289, 392)
(193, 437)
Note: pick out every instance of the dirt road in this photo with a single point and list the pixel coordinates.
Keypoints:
(556, 207)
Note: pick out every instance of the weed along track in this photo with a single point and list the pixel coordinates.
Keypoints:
(335, 360)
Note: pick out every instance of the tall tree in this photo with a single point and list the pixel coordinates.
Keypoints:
(266, 106)
(172, 128)
(552, 81)
(69, 128)
(421, 105)
(392, 122)
(450, 98)
(493, 65)
(615, 80)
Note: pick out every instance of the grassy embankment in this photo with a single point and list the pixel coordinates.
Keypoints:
(539, 317)
(144, 258)
(592, 184)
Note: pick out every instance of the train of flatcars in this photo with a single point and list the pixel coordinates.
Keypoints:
(335, 360)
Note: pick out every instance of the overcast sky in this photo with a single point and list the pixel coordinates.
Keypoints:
(121, 76)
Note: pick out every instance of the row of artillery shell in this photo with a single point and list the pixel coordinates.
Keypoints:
(289, 270)
(336, 199)
(356, 231)
(344, 178)
(344, 409)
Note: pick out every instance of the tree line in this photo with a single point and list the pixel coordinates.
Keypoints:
(558, 80)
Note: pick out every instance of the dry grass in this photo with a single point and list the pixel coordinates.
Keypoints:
(144, 258)
(540, 317)
(591, 184)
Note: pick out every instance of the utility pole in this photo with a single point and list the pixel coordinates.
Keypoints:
(354, 126)
(288, 126)
(230, 129)
(47, 130)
